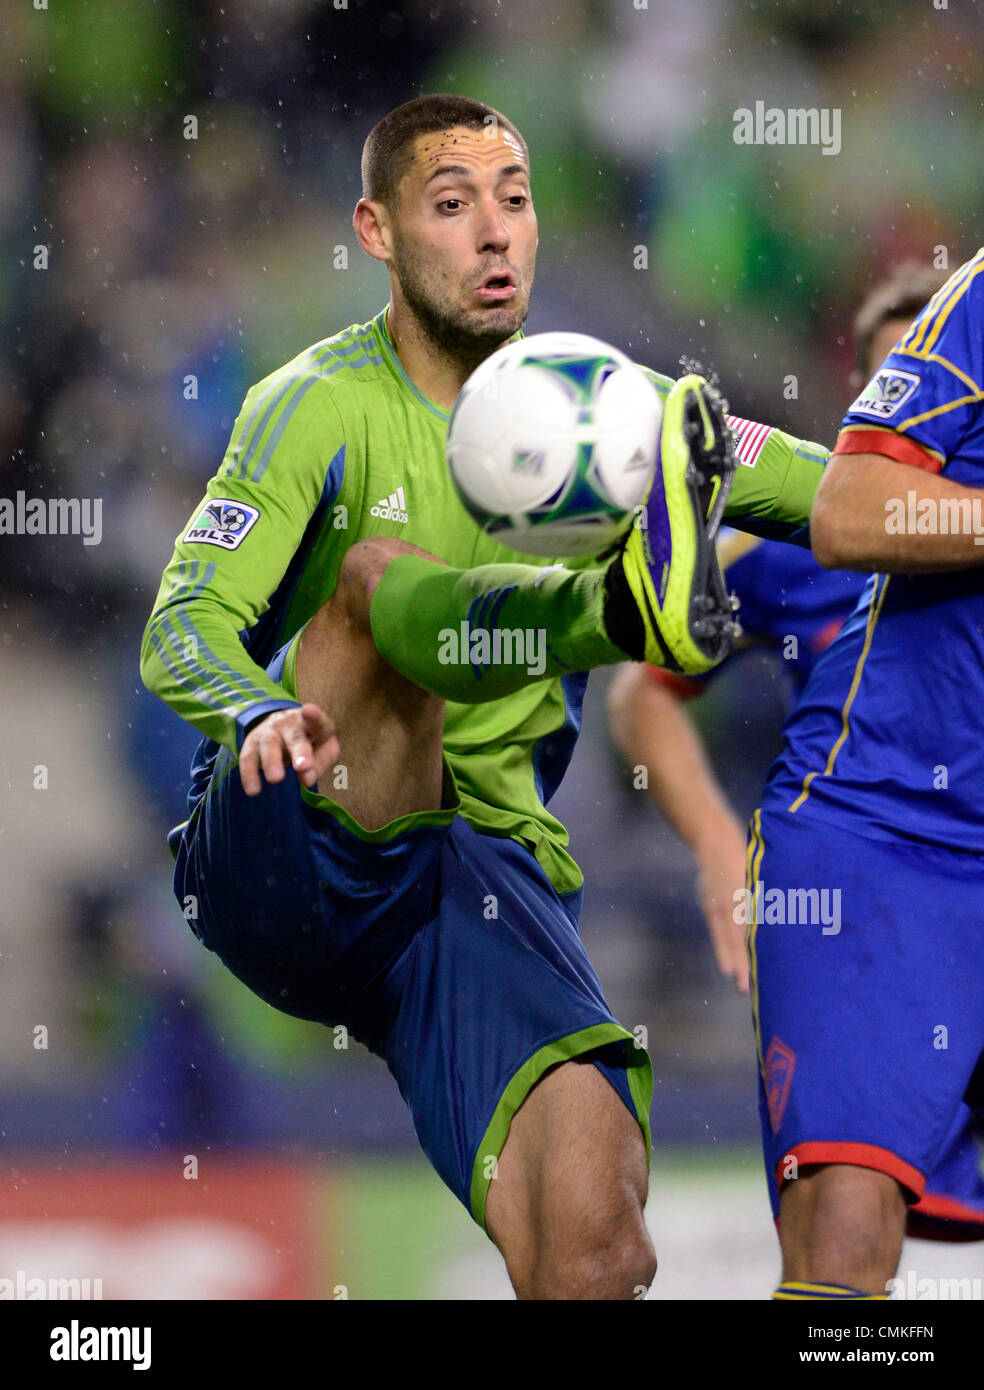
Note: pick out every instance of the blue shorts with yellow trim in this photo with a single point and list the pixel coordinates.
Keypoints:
(446, 952)
(867, 957)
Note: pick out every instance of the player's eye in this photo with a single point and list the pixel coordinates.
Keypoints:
(450, 204)
(517, 200)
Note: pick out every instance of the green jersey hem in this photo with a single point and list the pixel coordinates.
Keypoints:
(640, 1078)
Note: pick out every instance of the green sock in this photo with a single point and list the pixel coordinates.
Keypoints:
(478, 634)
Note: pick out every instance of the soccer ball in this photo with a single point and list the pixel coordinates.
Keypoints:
(552, 443)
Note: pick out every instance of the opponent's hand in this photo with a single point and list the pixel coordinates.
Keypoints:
(721, 874)
(302, 738)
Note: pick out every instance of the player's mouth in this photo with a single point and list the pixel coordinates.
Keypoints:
(497, 287)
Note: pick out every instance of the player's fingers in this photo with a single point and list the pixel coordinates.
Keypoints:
(272, 750)
(742, 967)
(317, 725)
(300, 751)
(722, 957)
(249, 764)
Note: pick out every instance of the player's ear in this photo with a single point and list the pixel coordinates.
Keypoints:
(371, 227)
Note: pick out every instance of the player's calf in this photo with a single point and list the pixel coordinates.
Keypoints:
(842, 1225)
(566, 1206)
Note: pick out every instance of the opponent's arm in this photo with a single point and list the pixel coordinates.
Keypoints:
(863, 496)
(651, 728)
(911, 419)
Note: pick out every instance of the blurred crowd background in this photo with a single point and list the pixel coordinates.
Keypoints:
(224, 255)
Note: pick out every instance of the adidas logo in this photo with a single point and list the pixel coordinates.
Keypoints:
(391, 508)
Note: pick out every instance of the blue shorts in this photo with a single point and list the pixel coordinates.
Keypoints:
(867, 960)
(446, 952)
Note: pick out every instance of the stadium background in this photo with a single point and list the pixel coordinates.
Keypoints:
(222, 256)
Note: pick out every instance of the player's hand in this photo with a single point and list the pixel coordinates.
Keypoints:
(303, 739)
(721, 874)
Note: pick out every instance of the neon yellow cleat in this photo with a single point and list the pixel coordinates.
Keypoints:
(669, 559)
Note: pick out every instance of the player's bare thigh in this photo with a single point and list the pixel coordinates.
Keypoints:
(566, 1204)
(389, 730)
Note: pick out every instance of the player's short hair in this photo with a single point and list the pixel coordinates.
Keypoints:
(388, 150)
(906, 290)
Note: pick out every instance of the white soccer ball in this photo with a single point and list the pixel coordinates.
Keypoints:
(552, 443)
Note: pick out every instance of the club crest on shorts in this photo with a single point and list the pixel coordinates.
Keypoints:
(780, 1063)
(223, 522)
(887, 390)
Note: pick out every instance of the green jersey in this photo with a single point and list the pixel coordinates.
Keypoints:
(337, 446)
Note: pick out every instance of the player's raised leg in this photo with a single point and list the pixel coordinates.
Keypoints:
(662, 598)
(566, 1205)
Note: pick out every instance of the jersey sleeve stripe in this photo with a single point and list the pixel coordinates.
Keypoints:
(938, 410)
(276, 395)
(950, 367)
(201, 690)
(188, 582)
(275, 434)
(860, 440)
(914, 335)
(928, 338)
(206, 657)
(281, 399)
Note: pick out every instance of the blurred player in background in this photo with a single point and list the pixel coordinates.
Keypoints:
(789, 605)
(870, 1027)
(409, 882)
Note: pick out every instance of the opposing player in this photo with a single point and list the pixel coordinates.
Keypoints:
(871, 1030)
(406, 878)
(791, 606)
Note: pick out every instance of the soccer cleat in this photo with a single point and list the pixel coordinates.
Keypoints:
(670, 559)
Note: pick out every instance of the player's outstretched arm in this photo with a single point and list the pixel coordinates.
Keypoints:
(650, 727)
(301, 738)
(859, 518)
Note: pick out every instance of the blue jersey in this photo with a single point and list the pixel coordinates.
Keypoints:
(888, 732)
(789, 604)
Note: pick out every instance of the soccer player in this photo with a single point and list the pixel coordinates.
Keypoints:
(870, 1026)
(369, 842)
(789, 605)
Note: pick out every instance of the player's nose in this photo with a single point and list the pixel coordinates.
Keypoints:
(493, 234)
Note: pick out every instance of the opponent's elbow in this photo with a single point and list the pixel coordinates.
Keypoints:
(827, 537)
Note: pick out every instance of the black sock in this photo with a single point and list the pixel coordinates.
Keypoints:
(622, 619)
